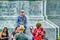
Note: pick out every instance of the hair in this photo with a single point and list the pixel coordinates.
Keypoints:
(43, 35)
(6, 30)
(44, 32)
(16, 28)
(38, 24)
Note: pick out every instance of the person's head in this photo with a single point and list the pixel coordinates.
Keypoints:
(5, 30)
(38, 25)
(18, 25)
(16, 30)
(22, 13)
(44, 33)
(21, 28)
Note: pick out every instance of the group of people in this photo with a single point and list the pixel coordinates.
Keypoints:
(20, 31)
(16, 35)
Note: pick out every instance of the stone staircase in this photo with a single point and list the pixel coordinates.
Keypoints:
(34, 12)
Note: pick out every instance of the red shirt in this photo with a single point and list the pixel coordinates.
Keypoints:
(35, 33)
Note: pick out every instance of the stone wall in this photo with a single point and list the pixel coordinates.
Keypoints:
(53, 11)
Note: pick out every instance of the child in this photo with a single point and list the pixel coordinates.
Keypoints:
(38, 31)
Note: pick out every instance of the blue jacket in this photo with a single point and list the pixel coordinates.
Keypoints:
(19, 20)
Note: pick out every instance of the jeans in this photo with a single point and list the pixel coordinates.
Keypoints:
(25, 29)
(33, 38)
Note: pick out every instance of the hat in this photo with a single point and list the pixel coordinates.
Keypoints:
(21, 27)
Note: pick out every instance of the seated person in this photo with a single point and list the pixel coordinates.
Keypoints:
(22, 20)
(38, 32)
(20, 35)
(16, 31)
(4, 35)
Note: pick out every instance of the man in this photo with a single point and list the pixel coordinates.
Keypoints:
(38, 32)
(21, 35)
(44, 36)
(22, 19)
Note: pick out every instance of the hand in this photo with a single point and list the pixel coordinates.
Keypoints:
(39, 33)
(31, 28)
(18, 25)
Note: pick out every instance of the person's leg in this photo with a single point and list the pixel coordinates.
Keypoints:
(33, 38)
(25, 29)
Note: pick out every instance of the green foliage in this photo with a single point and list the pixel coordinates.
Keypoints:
(58, 37)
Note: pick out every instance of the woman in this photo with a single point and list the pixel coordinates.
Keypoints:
(4, 35)
(15, 32)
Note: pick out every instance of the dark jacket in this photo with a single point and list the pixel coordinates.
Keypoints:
(21, 36)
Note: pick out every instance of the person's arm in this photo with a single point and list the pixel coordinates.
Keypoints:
(31, 31)
(14, 39)
(42, 29)
(0, 35)
(15, 36)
